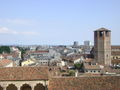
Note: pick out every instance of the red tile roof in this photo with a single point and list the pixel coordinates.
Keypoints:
(85, 83)
(115, 47)
(115, 61)
(92, 67)
(115, 53)
(110, 70)
(70, 58)
(5, 62)
(88, 60)
(23, 73)
(45, 51)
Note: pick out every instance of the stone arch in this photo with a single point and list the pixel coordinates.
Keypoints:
(25, 87)
(11, 87)
(39, 86)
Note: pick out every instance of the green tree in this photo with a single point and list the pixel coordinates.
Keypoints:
(78, 65)
(5, 49)
(71, 72)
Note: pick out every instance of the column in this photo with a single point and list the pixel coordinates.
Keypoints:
(4, 88)
(32, 87)
(18, 88)
(46, 87)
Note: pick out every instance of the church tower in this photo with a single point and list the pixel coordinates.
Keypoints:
(102, 46)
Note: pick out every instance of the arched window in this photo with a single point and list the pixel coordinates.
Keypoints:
(25, 87)
(39, 87)
(11, 87)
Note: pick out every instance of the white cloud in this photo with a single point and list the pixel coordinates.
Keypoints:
(5, 30)
(17, 21)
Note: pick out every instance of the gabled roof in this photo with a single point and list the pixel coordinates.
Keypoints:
(23, 73)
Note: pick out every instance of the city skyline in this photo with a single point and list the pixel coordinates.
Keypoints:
(52, 22)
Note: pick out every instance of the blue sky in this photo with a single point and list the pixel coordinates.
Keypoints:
(57, 22)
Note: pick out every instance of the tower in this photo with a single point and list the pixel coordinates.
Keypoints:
(102, 46)
(75, 43)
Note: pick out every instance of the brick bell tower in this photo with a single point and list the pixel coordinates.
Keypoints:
(102, 46)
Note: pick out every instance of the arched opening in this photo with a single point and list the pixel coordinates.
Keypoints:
(25, 87)
(39, 87)
(1, 88)
(11, 87)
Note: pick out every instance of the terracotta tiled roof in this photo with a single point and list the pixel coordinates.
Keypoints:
(115, 47)
(45, 51)
(13, 54)
(115, 53)
(5, 62)
(110, 70)
(23, 73)
(115, 61)
(71, 58)
(92, 67)
(88, 60)
(85, 83)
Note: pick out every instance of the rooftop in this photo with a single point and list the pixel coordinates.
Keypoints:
(102, 29)
(23, 73)
(85, 83)
(92, 67)
(5, 62)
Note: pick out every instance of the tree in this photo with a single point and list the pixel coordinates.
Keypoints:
(78, 65)
(4, 49)
(71, 72)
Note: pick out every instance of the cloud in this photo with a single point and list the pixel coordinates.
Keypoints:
(17, 21)
(5, 30)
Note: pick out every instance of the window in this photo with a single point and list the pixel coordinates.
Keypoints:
(101, 33)
(107, 55)
(116, 57)
(113, 57)
(95, 34)
(107, 33)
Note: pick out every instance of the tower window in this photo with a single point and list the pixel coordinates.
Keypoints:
(107, 55)
(101, 33)
(107, 33)
(95, 34)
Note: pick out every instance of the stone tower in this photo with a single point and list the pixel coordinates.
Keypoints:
(102, 46)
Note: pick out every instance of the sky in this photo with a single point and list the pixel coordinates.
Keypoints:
(57, 22)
